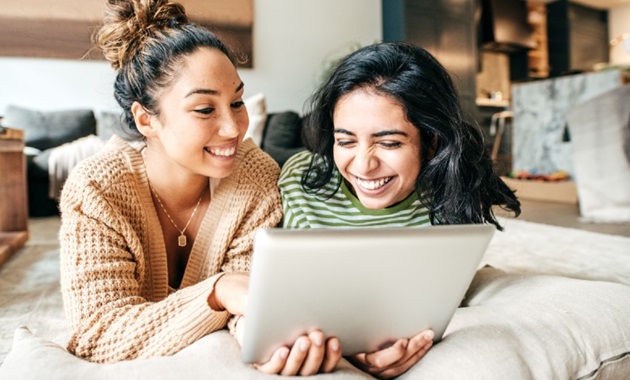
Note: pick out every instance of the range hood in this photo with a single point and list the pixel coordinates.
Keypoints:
(504, 27)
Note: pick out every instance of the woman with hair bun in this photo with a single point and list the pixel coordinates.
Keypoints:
(156, 235)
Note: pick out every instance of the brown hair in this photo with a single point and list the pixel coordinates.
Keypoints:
(130, 24)
(145, 40)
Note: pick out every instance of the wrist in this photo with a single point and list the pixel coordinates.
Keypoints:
(213, 300)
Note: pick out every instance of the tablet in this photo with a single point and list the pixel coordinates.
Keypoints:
(367, 286)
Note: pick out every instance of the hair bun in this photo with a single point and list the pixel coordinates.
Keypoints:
(130, 24)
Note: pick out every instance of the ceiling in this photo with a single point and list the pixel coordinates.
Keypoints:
(602, 4)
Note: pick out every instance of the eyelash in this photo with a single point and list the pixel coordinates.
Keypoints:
(343, 143)
(391, 145)
(209, 110)
(205, 111)
(387, 145)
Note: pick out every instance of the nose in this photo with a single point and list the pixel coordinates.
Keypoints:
(228, 125)
(365, 161)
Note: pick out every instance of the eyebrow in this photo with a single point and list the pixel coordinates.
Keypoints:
(207, 91)
(378, 134)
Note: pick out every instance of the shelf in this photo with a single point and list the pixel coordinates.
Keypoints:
(485, 102)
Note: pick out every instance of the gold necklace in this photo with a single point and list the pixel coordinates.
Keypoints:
(181, 239)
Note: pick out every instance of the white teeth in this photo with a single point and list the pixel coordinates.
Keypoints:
(222, 152)
(373, 185)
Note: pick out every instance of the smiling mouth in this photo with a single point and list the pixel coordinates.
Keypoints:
(372, 184)
(221, 152)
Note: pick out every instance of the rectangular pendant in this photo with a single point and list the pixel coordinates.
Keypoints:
(181, 240)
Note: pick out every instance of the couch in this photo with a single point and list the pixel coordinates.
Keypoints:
(47, 132)
(44, 133)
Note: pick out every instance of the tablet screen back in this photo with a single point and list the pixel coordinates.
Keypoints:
(367, 286)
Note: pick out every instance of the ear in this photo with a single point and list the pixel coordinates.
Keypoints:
(144, 120)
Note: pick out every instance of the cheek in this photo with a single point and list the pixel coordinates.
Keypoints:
(341, 157)
(242, 119)
(406, 165)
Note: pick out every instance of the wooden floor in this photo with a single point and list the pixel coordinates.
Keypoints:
(45, 230)
(566, 215)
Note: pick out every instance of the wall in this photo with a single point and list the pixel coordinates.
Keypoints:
(618, 23)
(293, 41)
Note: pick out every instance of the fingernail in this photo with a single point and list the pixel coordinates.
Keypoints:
(284, 353)
(303, 345)
(317, 340)
(429, 335)
(334, 345)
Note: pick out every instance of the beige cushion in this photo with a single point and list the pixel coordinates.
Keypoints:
(534, 327)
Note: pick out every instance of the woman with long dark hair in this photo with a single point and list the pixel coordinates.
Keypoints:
(389, 146)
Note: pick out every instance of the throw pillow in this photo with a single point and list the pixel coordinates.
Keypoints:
(599, 130)
(44, 130)
(108, 123)
(282, 138)
(257, 110)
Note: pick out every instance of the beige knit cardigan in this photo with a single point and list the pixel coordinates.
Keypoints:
(114, 277)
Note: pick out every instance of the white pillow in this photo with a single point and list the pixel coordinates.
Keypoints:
(257, 110)
(599, 129)
(523, 327)
(215, 356)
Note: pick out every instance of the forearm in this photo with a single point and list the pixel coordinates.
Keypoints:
(135, 328)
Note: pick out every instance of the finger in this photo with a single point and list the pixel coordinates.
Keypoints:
(416, 348)
(315, 354)
(388, 356)
(276, 363)
(419, 341)
(296, 356)
(404, 367)
(332, 355)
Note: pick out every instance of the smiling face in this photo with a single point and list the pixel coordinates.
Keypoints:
(202, 117)
(377, 150)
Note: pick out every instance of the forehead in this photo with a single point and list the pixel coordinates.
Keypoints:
(206, 68)
(368, 110)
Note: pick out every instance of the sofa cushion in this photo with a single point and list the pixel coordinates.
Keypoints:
(44, 130)
(108, 123)
(283, 136)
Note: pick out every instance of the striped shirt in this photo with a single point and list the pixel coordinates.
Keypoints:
(343, 209)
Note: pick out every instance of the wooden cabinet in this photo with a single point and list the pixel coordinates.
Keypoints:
(538, 58)
(13, 206)
(577, 37)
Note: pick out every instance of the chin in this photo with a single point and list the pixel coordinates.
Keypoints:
(375, 205)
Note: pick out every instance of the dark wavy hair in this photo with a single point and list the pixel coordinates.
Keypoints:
(145, 42)
(457, 181)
